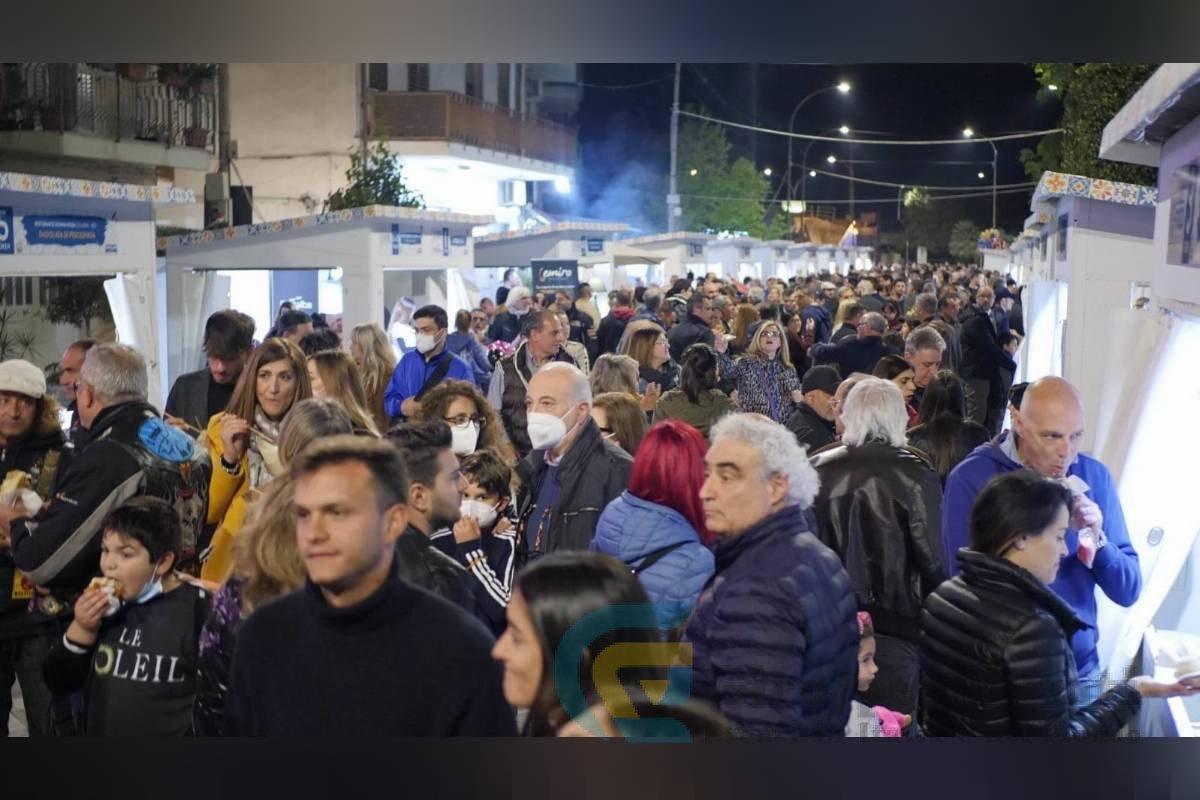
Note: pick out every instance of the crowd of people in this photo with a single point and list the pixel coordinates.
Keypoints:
(793, 503)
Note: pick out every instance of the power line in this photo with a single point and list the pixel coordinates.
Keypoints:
(843, 201)
(917, 184)
(629, 85)
(899, 142)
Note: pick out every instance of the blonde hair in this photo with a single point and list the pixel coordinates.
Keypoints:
(378, 364)
(842, 312)
(340, 379)
(310, 420)
(640, 344)
(754, 350)
(634, 327)
(265, 551)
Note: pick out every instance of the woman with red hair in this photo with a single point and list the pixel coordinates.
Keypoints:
(656, 527)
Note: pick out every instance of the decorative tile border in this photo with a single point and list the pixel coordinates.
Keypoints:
(103, 190)
(678, 236)
(1058, 184)
(558, 227)
(328, 218)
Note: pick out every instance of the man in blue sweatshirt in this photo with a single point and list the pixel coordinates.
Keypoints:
(1046, 435)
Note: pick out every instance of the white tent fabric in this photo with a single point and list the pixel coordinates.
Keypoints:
(129, 298)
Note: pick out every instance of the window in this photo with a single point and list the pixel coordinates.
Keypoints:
(418, 77)
(503, 96)
(377, 77)
(16, 291)
(475, 81)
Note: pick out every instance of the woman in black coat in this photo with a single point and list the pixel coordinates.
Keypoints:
(995, 655)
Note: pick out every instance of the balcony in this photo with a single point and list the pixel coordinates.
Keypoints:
(91, 110)
(452, 117)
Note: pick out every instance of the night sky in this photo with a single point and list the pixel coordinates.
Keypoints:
(624, 133)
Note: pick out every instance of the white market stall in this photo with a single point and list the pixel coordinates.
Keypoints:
(733, 257)
(352, 265)
(809, 258)
(773, 256)
(565, 241)
(1144, 435)
(682, 252)
(61, 227)
(621, 265)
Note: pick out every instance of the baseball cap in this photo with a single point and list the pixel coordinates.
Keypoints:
(820, 377)
(22, 377)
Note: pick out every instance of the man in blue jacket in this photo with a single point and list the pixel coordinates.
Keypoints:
(1046, 435)
(774, 635)
(424, 368)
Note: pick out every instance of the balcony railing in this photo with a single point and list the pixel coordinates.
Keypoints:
(448, 116)
(87, 99)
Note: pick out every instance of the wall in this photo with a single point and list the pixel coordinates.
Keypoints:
(294, 125)
(1174, 282)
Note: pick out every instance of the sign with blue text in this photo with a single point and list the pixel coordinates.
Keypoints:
(55, 234)
(7, 236)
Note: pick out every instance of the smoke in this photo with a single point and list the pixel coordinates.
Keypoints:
(637, 196)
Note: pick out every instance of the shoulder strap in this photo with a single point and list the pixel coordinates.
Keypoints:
(436, 377)
(653, 558)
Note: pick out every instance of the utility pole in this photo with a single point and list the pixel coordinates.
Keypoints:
(673, 197)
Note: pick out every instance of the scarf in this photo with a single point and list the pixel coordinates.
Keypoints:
(257, 469)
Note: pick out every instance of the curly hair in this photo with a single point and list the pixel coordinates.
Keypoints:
(491, 433)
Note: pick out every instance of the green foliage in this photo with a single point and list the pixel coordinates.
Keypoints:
(721, 196)
(374, 178)
(964, 240)
(15, 344)
(1092, 94)
(928, 223)
(78, 302)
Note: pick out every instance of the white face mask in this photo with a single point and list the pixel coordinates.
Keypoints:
(480, 511)
(464, 439)
(426, 342)
(545, 430)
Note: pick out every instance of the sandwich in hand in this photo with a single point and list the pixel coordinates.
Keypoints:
(112, 588)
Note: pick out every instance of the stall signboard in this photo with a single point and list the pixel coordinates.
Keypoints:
(55, 234)
(553, 274)
(1183, 249)
(408, 240)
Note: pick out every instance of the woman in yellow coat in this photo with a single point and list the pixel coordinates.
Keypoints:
(243, 442)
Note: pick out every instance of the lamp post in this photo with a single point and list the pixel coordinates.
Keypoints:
(844, 130)
(842, 87)
(968, 132)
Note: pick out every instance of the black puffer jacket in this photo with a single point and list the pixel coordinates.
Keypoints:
(591, 475)
(880, 509)
(995, 659)
(811, 429)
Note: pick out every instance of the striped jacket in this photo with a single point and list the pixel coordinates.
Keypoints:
(490, 561)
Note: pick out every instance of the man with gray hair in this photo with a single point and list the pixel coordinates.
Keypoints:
(923, 349)
(572, 473)
(879, 508)
(774, 636)
(859, 354)
(126, 451)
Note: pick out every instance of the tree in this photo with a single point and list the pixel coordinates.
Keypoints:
(964, 240)
(928, 222)
(1092, 94)
(78, 302)
(718, 195)
(374, 178)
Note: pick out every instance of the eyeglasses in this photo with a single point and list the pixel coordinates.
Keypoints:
(463, 420)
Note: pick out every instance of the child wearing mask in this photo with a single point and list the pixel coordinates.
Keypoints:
(485, 536)
(866, 721)
(132, 645)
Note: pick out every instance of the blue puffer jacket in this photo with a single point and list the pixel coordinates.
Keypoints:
(632, 528)
(774, 637)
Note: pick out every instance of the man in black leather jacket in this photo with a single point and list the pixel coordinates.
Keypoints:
(433, 503)
(879, 508)
(127, 451)
(813, 420)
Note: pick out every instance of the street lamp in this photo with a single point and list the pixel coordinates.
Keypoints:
(693, 172)
(831, 158)
(767, 172)
(843, 88)
(1053, 87)
(812, 173)
(981, 176)
(844, 130)
(968, 132)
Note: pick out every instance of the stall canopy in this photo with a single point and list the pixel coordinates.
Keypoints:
(356, 264)
(63, 227)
